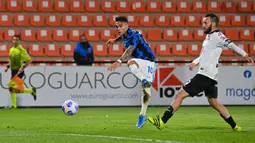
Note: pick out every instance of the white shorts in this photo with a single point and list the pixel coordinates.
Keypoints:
(147, 68)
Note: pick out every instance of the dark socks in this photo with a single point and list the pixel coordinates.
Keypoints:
(168, 114)
(230, 121)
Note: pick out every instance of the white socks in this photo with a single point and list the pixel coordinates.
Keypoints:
(145, 98)
(136, 71)
(146, 92)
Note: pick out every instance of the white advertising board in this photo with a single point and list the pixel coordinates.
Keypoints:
(237, 85)
(95, 86)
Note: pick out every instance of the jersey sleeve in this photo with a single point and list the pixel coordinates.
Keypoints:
(225, 42)
(24, 55)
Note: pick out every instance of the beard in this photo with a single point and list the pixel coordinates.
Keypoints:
(208, 30)
(15, 44)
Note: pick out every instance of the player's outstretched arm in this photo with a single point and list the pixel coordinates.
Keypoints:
(112, 41)
(240, 51)
(125, 56)
(249, 59)
(225, 42)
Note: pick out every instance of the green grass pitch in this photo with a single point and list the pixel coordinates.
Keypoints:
(117, 125)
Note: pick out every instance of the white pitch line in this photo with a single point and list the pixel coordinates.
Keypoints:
(124, 138)
(93, 136)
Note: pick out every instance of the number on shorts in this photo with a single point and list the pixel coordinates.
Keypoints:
(150, 69)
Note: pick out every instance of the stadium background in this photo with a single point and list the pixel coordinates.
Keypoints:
(50, 30)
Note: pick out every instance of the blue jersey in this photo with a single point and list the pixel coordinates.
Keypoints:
(142, 49)
(82, 50)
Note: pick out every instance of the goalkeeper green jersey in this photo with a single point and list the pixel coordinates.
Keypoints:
(17, 57)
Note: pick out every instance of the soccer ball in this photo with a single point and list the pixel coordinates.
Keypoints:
(70, 107)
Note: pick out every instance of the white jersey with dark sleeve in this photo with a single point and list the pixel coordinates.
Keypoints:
(211, 51)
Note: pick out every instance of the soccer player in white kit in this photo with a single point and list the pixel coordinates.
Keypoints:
(206, 78)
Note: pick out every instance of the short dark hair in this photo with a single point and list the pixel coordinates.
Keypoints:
(121, 19)
(17, 36)
(213, 17)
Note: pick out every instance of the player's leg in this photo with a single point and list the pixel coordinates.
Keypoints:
(145, 98)
(160, 122)
(13, 94)
(192, 88)
(212, 95)
(32, 91)
(148, 70)
(13, 98)
(139, 68)
(135, 68)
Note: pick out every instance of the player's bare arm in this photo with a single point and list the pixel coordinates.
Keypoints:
(118, 39)
(249, 59)
(113, 41)
(125, 56)
(27, 63)
(7, 67)
(194, 63)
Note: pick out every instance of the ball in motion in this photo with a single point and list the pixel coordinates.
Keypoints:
(70, 107)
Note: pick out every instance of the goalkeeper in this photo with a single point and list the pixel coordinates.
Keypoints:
(17, 56)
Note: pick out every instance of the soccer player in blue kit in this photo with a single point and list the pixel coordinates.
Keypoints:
(140, 60)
